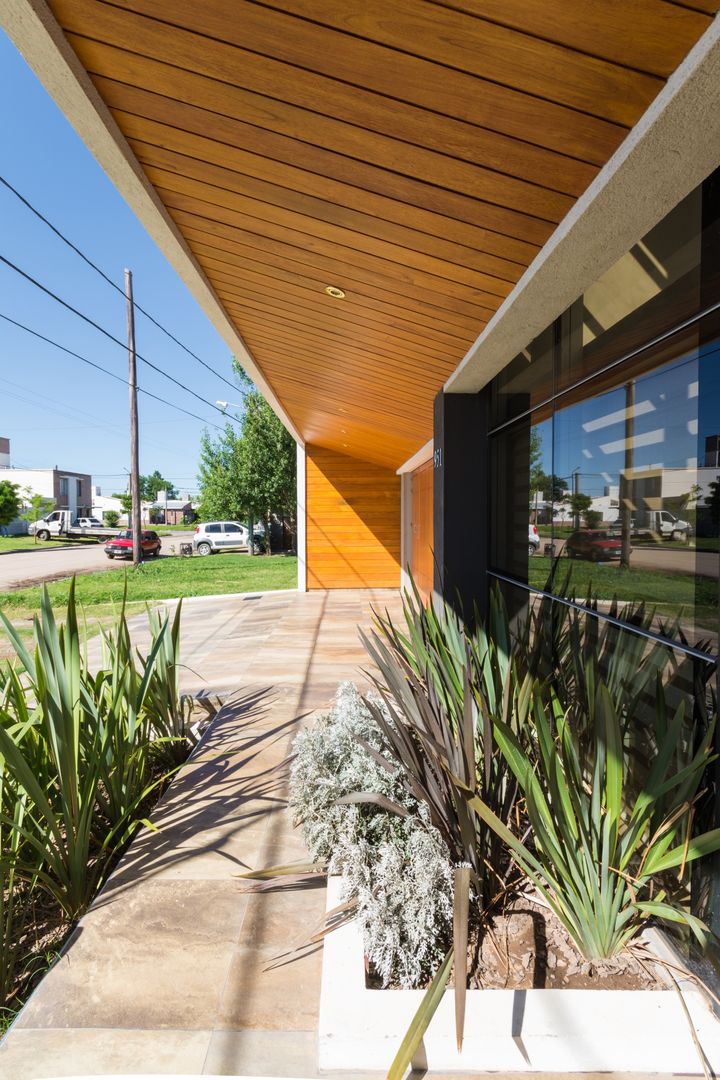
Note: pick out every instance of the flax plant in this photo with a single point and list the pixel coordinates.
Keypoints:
(170, 712)
(442, 689)
(604, 861)
(83, 764)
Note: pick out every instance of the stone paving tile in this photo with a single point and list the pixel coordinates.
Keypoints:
(153, 955)
(266, 1053)
(102, 1051)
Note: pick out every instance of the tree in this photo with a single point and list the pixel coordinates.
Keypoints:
(593, 518)
(579, 505)
(222, 483)
(34, 505)
(126, 503)
(552, 487)
(250, 474)
(9, 502)
(535, 465)
(269, 462)
(111, 518)
(152, 485)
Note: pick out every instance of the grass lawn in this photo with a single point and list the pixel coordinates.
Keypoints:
(29, 543)
(100, 595)
(558, 531)
(165, 579)
(668, 592)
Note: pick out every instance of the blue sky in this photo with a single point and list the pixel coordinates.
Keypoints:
(54, 409)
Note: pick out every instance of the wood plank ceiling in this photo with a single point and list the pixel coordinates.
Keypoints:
(415, 154)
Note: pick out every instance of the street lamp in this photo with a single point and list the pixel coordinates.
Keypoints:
(223, 405)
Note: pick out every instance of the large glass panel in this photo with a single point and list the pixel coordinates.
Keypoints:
(510, 500)
(649, 291)
(638, 523)
(525, 382)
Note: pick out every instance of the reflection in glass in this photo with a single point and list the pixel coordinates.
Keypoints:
(653, 288)
(526, 381)
(630, 524)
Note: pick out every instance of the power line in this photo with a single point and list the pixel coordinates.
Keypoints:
(106, 333)
(86, 259)
(105, 370)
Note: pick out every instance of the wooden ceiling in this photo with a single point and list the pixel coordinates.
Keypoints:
(415, 154)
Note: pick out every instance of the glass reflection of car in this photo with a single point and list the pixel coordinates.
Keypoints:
(121, 546)
(533, 540)
(594, 544)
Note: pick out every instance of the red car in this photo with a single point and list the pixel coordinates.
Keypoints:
(121, 546)
(594, 544)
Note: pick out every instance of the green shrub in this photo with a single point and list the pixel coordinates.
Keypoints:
(80, 753)
(395, 868)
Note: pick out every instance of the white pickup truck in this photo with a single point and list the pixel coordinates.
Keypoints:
(61, 525)
(663, 524)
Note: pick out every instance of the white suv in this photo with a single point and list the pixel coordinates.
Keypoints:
(214, 536)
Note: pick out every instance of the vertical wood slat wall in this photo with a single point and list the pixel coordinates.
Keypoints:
(353, 522)
(421, 526)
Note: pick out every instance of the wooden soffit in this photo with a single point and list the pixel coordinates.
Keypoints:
(416, 155)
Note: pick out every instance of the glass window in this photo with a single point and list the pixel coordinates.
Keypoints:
(510, 500)
(63, 487)
(213, 528)
(230, 527)
(654, 287)
(637, 497)
(525, 382)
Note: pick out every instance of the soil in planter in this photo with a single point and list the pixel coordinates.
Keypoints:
(529, 948)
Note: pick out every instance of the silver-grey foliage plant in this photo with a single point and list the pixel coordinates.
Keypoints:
(396, 868)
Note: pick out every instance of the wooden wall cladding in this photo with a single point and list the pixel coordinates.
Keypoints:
(353, 522)
(417, 155)
(421, 525)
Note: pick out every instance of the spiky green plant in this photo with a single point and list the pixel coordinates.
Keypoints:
(82, 764)
(605, 860)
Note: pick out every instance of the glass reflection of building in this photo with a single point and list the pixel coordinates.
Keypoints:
(604, 432)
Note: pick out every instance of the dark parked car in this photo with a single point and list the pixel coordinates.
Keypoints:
(594, 544)
(121, 546)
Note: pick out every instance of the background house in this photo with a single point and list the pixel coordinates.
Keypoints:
(65, 488)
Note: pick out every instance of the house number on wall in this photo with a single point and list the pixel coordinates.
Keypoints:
(437, 458)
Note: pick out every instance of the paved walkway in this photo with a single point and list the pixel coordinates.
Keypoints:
(167, 972)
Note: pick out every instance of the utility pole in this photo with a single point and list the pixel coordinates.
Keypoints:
(132, 389)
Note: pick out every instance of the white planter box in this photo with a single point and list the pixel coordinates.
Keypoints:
(516, 1030)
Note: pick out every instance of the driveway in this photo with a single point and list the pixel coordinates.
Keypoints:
(54, 560)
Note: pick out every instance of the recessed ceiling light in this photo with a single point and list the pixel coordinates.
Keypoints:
(332, 290)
